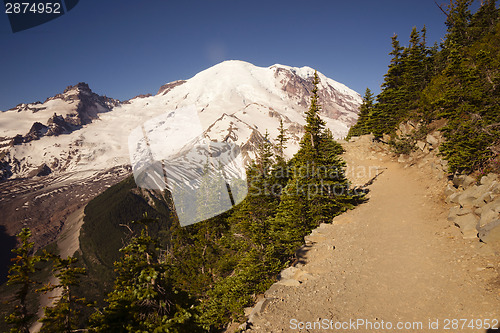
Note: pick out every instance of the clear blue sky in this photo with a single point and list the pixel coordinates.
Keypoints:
(123, 48)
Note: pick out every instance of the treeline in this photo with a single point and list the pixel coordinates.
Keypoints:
(205, 274)
(457, 82)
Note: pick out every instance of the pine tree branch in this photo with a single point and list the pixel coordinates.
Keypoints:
(441, 7)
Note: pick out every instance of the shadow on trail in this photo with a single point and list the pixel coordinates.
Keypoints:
(301, 254)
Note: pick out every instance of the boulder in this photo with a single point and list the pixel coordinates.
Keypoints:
(493, 205)
(494, 187)
(289, 273)
(490, 233)
(466, 199)
(453, 198)
(258, 309)
(421, 145)
(463, 180)
(449, 190)
(467, 224)
(484, 199)
(401, 159)
(489, 179)
(457, 211)
(488, 216)
(433, 141)
(405, 128)
(468, 181)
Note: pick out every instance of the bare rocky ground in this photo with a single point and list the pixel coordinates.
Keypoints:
(44, 203)
(394, 259)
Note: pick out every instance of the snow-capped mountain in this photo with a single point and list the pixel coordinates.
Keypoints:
(79, 130)
(56, 155)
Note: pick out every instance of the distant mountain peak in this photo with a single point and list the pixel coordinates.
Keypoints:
(235, 101)
(81, 86)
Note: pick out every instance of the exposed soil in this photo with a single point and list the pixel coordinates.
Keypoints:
(43, 204)
(395, 258)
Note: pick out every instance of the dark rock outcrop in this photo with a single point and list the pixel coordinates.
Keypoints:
(169, 86)
(88, 107)
(42, 170)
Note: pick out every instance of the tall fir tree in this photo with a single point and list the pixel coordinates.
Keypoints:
(314, 124)
(362, 126)
(281, 141)
(21, 275)
(64, 315)
(318, 189)
(457, 22)
(385, 113)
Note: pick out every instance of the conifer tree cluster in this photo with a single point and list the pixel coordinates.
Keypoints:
(63, 315)
(457, 81)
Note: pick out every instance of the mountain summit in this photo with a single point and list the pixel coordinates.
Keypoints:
(79, 130)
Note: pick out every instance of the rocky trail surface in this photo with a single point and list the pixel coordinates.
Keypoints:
(394, 260)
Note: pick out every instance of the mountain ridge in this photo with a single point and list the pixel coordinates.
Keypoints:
(250, 93)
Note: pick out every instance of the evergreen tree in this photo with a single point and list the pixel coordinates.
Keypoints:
(250, 218)
(212, 195)
(21, 275)
(362, 125)
(143, 299)
(291, 222)
(385, 114)
(318, 189)
(282, 140)
(280, 172)
(314, 124)
(483, 22)
(457, 22)
(265, 155)
(64, 315)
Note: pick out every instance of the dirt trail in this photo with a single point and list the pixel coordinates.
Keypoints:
(393, 259)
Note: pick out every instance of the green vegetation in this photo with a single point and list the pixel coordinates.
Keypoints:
(63, 316)
(28, 270)
(21, 274)
(106, 230)
(457, 82)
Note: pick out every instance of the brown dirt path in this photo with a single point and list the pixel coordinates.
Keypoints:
(393, 259)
